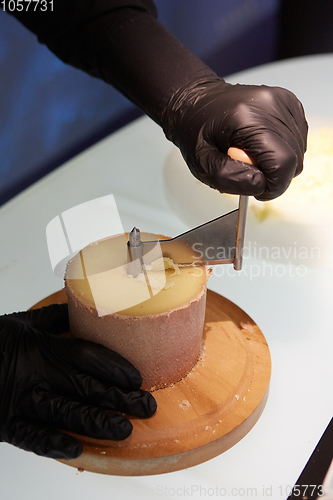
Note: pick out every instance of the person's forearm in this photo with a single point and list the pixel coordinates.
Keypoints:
(121, 42)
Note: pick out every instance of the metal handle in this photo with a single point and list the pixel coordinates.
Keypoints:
(242, 211)
(240, 155)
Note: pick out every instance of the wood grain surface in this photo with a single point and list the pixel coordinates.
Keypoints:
(201, 416)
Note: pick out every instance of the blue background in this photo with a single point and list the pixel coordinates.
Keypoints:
(50, 111)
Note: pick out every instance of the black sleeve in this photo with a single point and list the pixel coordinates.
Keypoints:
(121, 42)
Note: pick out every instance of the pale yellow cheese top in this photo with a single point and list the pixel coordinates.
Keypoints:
(98, 277)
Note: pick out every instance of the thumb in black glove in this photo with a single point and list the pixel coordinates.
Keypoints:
(207, 116)
(50, 383)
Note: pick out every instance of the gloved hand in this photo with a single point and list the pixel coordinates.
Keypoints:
(50, 383)
(207, 116)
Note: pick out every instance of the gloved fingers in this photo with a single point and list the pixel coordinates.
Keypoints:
(138, 403)
(89, 392)
(276, 163)
(81, 418)
(277, 159)
(62, 412)
(97, 361)
(62, 378)
(50, 319)
(229, 176)
(297, 127)
(31, 436)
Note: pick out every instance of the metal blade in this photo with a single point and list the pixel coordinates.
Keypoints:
(211, 243)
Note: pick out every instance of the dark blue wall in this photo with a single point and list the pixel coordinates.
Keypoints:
(49, 111)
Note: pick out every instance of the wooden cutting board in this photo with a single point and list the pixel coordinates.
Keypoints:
(201, 416)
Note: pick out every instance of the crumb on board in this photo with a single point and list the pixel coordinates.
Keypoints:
(237, 397)
(80, 470)
(184, 405)
(246, 326)
(207, 427)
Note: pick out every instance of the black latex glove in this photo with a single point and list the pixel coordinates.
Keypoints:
(49, 382)
(207, 116)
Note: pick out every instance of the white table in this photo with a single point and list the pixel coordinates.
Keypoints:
(293, 313)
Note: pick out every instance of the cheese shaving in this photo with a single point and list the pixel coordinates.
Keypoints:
(162, 264)
(156, 276)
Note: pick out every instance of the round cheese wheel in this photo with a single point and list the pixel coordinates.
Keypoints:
(155, 320)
